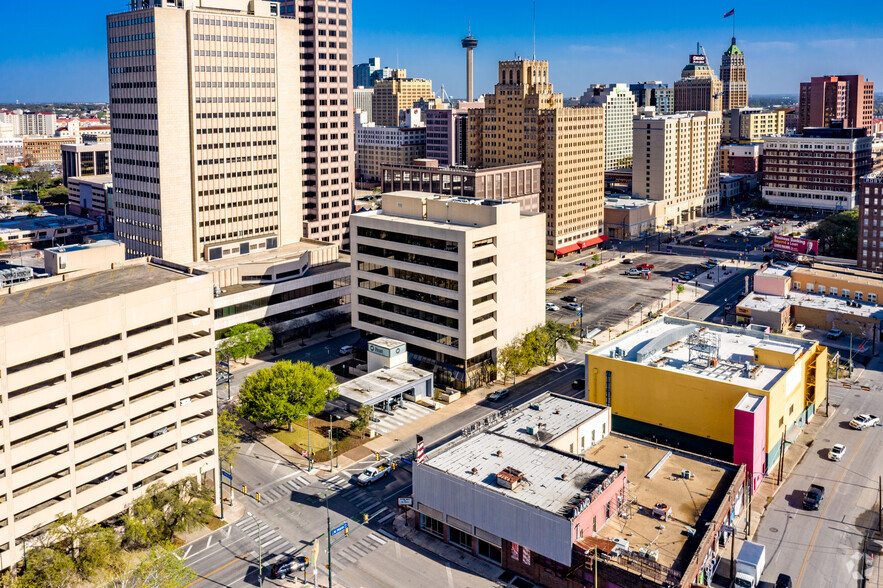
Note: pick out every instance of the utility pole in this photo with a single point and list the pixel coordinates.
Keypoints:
(328, 517)
(331, 459)
(880, 502)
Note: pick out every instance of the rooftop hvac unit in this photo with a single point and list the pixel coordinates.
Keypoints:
(509, 478)
(531, 429)
(686, 474)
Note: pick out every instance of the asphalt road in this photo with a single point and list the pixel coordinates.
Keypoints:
(820, 549)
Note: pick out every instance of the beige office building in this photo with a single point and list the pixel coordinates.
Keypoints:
(107, 383)
(677, 162)
(206, 124)
(392, 95)
(734, 78)
(753, 124)
(454, 278)
(620, 109)
(698, 88)
(525, 120)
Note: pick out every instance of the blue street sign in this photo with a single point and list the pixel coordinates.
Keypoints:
(668, 249)
(227, 475)
(224, 364)
(580, 313)
(675, 280)
(339, 529)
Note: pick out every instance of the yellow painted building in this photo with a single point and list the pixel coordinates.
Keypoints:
(679, 381)
(844, 282)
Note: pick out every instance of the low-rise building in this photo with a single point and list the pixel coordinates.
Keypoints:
(44, 150)
(108, 385)
(85, 159)
(679, 381)
(11, 149)
(25, 232)
(735, 186)
(92, 197)
(547, 492)
(741, 159)
(377, 145)
(519, 182)
(819, 170)
(454, 278)
(628, 218)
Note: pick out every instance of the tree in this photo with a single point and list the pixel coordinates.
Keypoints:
(32, 209)
(166, 510)
(48, 568)
(277, 394)
(363, 419)
(159, 569)
(512, 360)
(7, 208)
(57, 193)
(559, 333)
(228, 436)
(245, 340)
(88, 546)
(40, 178)
(11, 171)
(680, 288)
(537, 347)
(837, 235)
(3, 246)
(331, 317)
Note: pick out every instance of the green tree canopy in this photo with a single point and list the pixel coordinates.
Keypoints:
(11, 170)
(363, 419)
(228, 436)
(166, 510)
(513, 360)
(57, 193)
(837, 235)
(32, 209)
(245, 340)
(160, 568)
(3, 246)
(40, 178)
(559, 333)
(277, 394)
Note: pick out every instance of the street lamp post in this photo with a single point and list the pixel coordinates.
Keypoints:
(260, 553)
(309, 444)
(328, 517)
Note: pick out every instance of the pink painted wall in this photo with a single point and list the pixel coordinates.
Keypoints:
(772, 285)
(614, 494)
(749, 440)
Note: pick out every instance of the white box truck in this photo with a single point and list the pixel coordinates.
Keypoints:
(749, 564)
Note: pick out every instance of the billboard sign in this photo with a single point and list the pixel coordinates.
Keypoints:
(699, 59)
(795, 245)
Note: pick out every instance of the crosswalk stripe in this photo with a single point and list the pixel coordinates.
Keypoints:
(367, 545)
(332, 480)
(374, 537)
(377, 513)
(386, 534)
(271, 541)
(242, 522)
(346, 556)
(355, 549)
(256, 529)
(367, 508)
(362, 500)
(349, 492)
(386, 518)
(293, 485)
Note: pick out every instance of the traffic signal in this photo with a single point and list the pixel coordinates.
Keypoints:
(257, 496)
(393, 466)
(244, 489)
(365, 517)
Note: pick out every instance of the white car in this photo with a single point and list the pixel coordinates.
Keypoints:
(574, 306)
(552, 307)
(799, 327)
(345, 350)
(863, 421)
(373, 473)
(836, 452)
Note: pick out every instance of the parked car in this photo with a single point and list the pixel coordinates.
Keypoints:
(814, 497)
(223, 378)
(648, 266)
(723, 240)
(552, 307)
(784, 581)
(568, 298)
(633, 272)
(498, 395)
(863, 421)
(575, 281)
(291, 566)
(834, 334)
(699, 243)
(374, 473)
(836, 452)
(626, 261)
(575, 307)
(578, 384)
(800, 327)
(345, 350)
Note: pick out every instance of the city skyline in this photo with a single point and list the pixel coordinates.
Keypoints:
(779, 56)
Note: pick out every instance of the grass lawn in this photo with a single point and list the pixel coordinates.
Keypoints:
(297, 437)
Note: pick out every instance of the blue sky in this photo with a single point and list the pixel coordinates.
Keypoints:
(58, 52)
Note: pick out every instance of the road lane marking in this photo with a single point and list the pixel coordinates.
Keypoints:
(216, 570)
(376, 539)
(386, 518)
(208, 543)
(387, 534)
(250, 449)
(374, 514)
(187, 553)
(229, 530)
(450, 575)
(822, 511)
(275, 465)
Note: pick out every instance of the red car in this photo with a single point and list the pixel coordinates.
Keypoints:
(648, 266)
(574, 281)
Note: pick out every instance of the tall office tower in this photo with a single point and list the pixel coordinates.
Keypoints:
(327, 138)
(398, 93)
(870, 250)
(205, 125)
(655, 94)
(677, 161)
(846, 98)
(734, 77)
(363, 99)
(469, 43)
(698, 88)
(363, 72)
(525, 120)
(620, 110)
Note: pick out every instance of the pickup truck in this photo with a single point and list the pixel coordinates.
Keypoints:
(814, 497)
(373, 473)
(863, 421)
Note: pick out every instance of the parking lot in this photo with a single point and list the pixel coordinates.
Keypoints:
(609, 297)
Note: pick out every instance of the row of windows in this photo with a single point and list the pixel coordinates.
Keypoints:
(408, 311)
(414, 295)
(231, 99)
(450, 265)
(225, 205)
(243, 159)
(235, 23)
(129, 22)
(413, 331)
(408, 275)
(127, 38)
(235, 54)
(138, 53)
(406, 239)
(259, 303)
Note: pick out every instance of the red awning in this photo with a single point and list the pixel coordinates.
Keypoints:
(593, 241)
(567, 249)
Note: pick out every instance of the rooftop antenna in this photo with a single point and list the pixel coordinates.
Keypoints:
(534, 30)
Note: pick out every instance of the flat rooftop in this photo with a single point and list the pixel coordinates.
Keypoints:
(84, 246)
(371, 387)
(36, 223)
(765, 302)
(40, 300)
(691, 501)
(675, 344)
(779, 269)
(102, 179)
(557, 414)
(616, 202)
(488, 454)
(850, 274)
(289, 252)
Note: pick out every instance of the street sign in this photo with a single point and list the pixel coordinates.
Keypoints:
(339, 529)
(227, 475)
(406, 501)
(728, 529)
(668, 249)
(224, 364)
